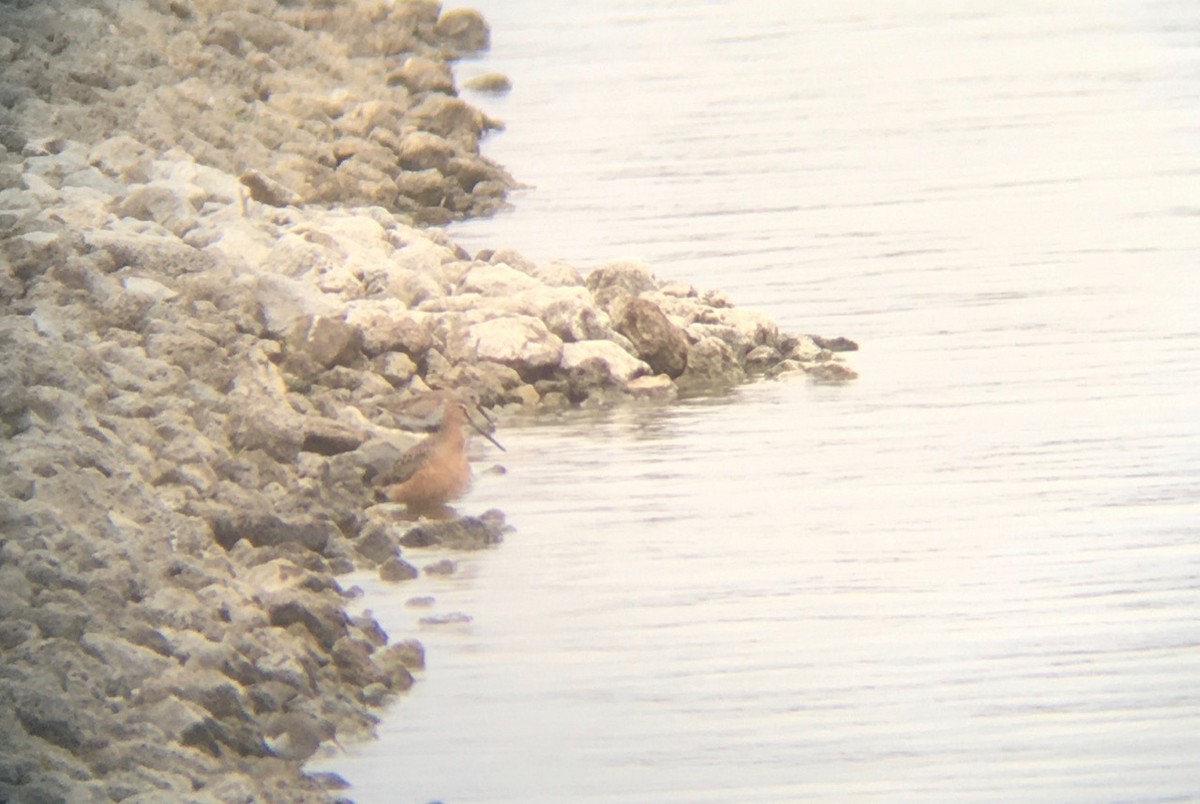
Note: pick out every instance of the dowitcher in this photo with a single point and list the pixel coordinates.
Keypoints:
(436, 470)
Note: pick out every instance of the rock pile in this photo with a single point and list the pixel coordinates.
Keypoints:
(216, 301)
(348, 103)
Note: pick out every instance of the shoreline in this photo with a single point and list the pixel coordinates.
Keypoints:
(221, 296)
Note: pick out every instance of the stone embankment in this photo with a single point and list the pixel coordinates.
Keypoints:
(219, 301)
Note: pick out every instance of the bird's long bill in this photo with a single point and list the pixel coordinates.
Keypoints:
(485, 433)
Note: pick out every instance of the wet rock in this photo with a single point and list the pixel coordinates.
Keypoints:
(464, 29)
(466, 533)
(453, 618)
(741, 330)
(658, 388)
(444, 567)
(661, 344)
(838, 344)
(712, 364)
(802, 348)
(396, 569)
(832, 373)
(762, 357)
(378, 543)
(495, 83)
(410, 653)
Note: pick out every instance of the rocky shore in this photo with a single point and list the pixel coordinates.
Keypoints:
(221, 300)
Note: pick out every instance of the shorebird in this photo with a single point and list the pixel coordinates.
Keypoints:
(436, 470)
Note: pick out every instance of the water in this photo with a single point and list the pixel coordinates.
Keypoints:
(974, 573)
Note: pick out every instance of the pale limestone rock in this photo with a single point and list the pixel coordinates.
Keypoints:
(496, 280)
(171, 204)
(522, 342)
(614, 283)
(618, 365)
(388, 326)
(568, 312)
(150, 288)
(657, 387)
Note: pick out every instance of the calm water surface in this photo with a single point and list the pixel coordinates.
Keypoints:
(973, 574)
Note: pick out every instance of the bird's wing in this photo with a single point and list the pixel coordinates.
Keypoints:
(407, 464)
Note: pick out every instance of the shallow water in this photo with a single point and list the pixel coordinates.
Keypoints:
(972, 574)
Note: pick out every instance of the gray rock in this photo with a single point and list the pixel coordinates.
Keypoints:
(762, 357)
(419, 74)
(170, 204)
(266, 529)
(831, 373)
(296, 736)
(265, 190)
(408, 652)
(353, 661)
(122, 157)
(396, 367)
(445, 566)
(324, 620)
(466, 533)
(617, 281)
(712, 365)
(47, 714)
(397, 569)
(328, 341)
(838, 344)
